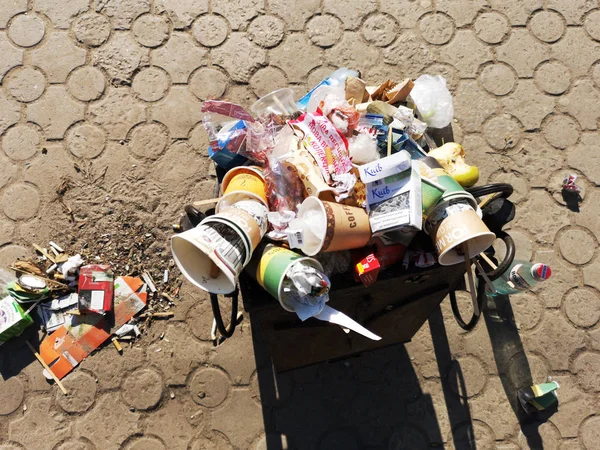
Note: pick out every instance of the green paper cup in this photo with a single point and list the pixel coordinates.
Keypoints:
(270, 265)
(453, 190)
(431, 194)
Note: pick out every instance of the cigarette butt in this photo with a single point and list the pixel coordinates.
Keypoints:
(51, 269)
(166, 276)
(149, 281)
(168, 297)
(56, 246)
(117, 345)
(214, 270)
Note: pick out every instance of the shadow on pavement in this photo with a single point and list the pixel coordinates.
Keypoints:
(373, 401)
(15, 356)
(513, 366)
(572, 199)
(453, 386)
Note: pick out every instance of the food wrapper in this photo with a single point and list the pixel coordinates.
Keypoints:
(344, 185)
(412, 125)
(310, 174)
(345, 119)
(419, 258)
(284, 187)
(324, 142)
(358, 196)
(260, 140)
(569, 184)
(399, 92)
(371, 123)
(356, 90)
(225, 125)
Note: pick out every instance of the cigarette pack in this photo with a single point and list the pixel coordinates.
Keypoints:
(367, 270)
(395, 203)
(96, 289)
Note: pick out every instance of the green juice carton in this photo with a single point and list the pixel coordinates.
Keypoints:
(13, 320)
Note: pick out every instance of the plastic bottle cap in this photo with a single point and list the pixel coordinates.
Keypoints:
(541, 272)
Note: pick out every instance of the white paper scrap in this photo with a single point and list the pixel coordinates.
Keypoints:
(328, 314)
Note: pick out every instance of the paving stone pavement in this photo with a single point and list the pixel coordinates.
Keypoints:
(118, 84)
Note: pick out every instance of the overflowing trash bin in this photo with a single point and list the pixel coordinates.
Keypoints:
(342, 207)
(344, 219)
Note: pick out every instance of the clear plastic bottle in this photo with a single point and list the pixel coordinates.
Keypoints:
(522, 275)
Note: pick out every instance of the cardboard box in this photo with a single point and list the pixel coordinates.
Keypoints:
(70, 344)
(96, 289)
(13, 320)
(384, 167)
(53, 315)
(367, 269)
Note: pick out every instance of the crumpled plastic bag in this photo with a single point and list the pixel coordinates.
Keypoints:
(433, 100)
(225, 124)
(284, 187)
(71, 266)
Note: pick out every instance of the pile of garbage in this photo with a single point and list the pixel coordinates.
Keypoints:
(345, 180)
(79, 306)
